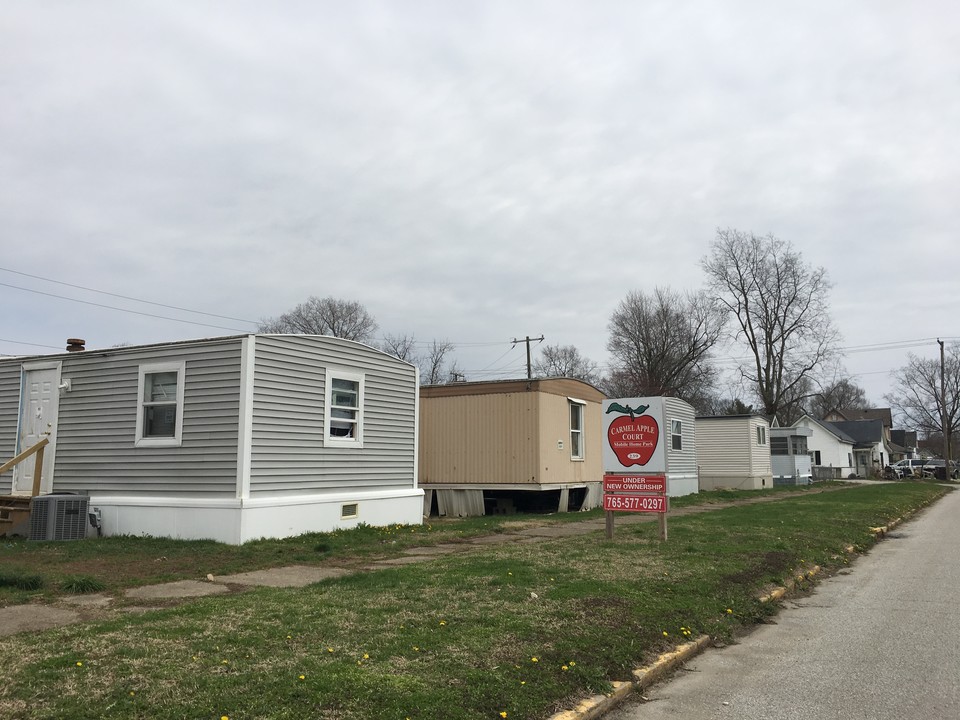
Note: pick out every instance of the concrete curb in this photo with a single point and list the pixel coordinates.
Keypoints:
(595, 706)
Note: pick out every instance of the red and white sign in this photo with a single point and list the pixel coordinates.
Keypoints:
(634, 484)
(634, 436)
(635, 503)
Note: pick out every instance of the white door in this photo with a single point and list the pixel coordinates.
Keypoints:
(39, 404)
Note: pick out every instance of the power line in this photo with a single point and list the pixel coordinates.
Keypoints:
(133, 312)
(123, 297)
(21, 342)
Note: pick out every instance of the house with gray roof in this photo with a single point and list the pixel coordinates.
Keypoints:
(871, 450)
(830, 448)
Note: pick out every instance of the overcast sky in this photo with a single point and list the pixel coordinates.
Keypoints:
(472, 172)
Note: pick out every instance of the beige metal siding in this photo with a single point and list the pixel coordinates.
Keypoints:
(556, 465)
(288, 454)
(481, 440)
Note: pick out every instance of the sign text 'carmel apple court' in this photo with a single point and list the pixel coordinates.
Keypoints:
(634, 438)
(634, 445)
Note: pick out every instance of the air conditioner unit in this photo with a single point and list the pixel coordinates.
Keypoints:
(58, 517)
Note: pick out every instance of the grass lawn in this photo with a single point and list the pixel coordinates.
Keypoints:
(523, 629)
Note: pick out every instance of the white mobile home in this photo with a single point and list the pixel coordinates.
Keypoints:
(231, 438)
(667, 445)
(789, 456)
(733, 451)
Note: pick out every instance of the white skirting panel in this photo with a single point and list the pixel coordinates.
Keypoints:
(236, 522)
(678, 485)
(735, 482)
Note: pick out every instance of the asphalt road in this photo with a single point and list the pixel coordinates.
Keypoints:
(880, 640)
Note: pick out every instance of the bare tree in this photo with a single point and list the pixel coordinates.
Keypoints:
(795, 401)
(346, 319)
(566, 361)
(435, 364)
(736, 406)
(661, 345)
(780, 304)
(916, 396)
(434, 368)
(841, 393)
(401, 346)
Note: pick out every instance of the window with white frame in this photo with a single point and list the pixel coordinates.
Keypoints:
(676, 434)
(761, 435)
(344, 409)
(160, 405)
(576, 429)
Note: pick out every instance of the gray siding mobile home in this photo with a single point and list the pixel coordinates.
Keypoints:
(231, 438)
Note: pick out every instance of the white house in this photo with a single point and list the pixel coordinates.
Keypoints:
(830, 448)
(871, 453)
(733, 451)
(230, 438)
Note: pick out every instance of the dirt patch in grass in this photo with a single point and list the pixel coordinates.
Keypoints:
(774, 563)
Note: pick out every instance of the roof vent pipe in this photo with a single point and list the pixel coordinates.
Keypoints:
(76, 345)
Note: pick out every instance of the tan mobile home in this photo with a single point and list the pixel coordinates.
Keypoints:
(507, 445)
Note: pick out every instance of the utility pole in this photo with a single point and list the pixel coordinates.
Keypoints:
(943, 412)
(528, 341)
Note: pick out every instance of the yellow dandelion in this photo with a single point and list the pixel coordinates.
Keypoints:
(79, 664)
(329, 649)
(503, 714)
(509, 573)
(416, 649)
(666, 634)
(132, 693)
(564, 668)
(533, 659)
(729, 611)
(302, 677)
(523, 682)
(366, 656)
(442, 623)
(571, 663)
(225, 662)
